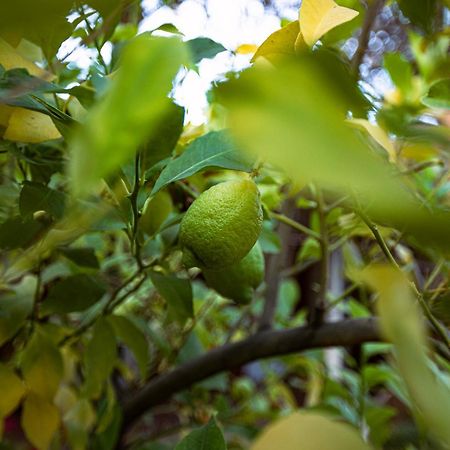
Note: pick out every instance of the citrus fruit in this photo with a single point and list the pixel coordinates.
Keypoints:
(238, 282)
(221, 225)
(155, 212)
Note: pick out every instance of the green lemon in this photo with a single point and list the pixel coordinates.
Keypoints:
(222, 225)
(238, 282)
(155, 212)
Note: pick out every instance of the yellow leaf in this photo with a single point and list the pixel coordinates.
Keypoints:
(403, 325)
(320, 16)
(30, 126)
(5, 114)
(379, 135)
(40, 421)
(10, 58)
(245, 49)
(13, 392)
(309, 431)
(42, 365)
(281, 41)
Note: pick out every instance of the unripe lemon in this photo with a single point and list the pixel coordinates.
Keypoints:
(155, 212)
(238, 282)
(222, 225)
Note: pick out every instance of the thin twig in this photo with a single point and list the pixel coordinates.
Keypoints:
(296, 225)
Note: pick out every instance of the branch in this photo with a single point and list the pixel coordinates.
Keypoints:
(371, 14)
(231, 356)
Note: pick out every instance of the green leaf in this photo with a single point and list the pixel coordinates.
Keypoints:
(280, 115)
(129, 113)
(208, 437)
(400, 71)
(439, 95)
(215, 149)
(19, 233)
(178, 294)
(45, 25)
(37, 197)
(134, 338)
(11, 396)
(164, 139)
(79, 421)
(99, 358)
(40, 420)
(74, 293)
(81, 256)
(203, 48)
(430, 396)
(421, 13)
(311, 431)
(42, 365)
(15, 306)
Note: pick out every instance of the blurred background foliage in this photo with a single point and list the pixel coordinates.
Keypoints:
(342, 119)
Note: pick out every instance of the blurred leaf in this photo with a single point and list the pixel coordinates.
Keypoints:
(79, 421)
(207, 437)
(10, 58)
(81, 256)
(129, 113)
(15, 306)
(40, 420)
(178, 294)
(279, 42)
(379, 135)
(215, 149)
(37, 197)
(99, 357)
(30, 126)
(311, 431)
(74, 293)
(13, 392)
(168, 28)
(203, 48)
(156, 210)
(107, 439)
(46, 26)
(135, 339)
(439, 95)
(42, 365)
(319, 16)
(280, 115)
(430, 396)
(421, 13)
(400, 71)
(164, 139)
(107, 7)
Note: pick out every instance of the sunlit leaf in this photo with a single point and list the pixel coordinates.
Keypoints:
(215, 149)
(439, 95)
(246, 49)
(42, 365)
(134, 338)
(129, 113)
(40, 420)
(279, 42)
(12, 393)
(310, 431)
(30, 126)
(207, 437)
(100, 357)
(400, 71)
(79, 421)
(430, 396)
(319, 16)
(379, 135)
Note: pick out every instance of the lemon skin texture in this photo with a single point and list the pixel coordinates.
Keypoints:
(239, 281)
(221, 225)
(155, 212)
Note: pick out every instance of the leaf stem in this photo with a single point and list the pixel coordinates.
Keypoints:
(296, 225)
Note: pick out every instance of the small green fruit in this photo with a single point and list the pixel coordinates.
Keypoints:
(239, 281)
(155, 212)
(222, 225)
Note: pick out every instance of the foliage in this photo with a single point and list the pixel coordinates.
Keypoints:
(99, 169)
